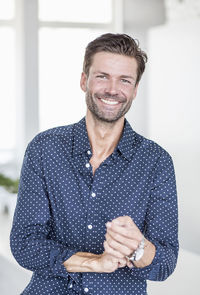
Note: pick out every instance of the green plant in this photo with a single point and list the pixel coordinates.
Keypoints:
(9, 184)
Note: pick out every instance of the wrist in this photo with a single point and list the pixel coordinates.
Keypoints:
(148, 256)
(138, 253)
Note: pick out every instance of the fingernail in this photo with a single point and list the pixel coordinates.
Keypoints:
(108, 224)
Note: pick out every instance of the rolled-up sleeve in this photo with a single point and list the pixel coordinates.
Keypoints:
(162, 222)
(30, 239)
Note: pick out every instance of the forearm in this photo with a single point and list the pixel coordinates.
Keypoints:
(88, 262)
(82, 262)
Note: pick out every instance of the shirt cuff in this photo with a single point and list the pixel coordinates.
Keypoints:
(57, 258)
(150, 272)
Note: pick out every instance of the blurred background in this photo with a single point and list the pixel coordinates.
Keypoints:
(42, 46)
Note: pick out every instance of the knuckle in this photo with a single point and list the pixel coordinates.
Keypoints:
(114, 268)
(108, 250)
(121, 261)
(122, 241)
(113, 234)
(108, 240)
(141, 238)
(128, 252)
(112, 243)
(137, 244)
(105, 244)
(126, 232)
(120, 255)
(134, 246)
(117, 237)
(106, 236)
(128, 218)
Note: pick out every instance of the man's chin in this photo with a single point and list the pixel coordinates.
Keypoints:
(107, 119)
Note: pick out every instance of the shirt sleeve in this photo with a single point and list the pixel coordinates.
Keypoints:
(162, 222)
(30, 240)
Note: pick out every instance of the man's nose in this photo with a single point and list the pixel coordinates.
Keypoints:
(112, 87)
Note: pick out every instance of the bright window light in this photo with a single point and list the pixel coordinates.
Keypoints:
(7, 89)
(76, 11)
(61, 55)
(6, 9)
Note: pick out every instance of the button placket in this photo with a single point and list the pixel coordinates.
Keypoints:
(87, 165)
(93, 194)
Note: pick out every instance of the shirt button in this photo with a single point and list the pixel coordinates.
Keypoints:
(93, 195)
(89, 152)
(90, 226)
(87, 165)
(86, 290)
(70, 286)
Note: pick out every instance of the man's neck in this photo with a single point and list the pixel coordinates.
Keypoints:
(103, 136)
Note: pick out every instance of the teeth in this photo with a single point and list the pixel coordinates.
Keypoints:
(109, 102)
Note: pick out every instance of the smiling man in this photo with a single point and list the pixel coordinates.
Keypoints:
(97, 206)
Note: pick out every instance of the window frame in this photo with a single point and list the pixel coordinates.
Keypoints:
(27, 25)
(9, 23)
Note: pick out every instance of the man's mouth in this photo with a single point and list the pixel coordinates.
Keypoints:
(109, 102)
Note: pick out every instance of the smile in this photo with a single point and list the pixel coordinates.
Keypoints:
(109, 101)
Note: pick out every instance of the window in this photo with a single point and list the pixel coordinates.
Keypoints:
(87, 11)
(63, 29)
(66, 27)
(61, 55)
(7, 9)
(7, 78)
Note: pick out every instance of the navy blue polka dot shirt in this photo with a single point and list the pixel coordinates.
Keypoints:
(62, 209)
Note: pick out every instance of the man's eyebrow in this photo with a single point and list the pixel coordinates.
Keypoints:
(102, 73)
(122, 76)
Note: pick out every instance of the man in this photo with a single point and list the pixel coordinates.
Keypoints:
(97, 207)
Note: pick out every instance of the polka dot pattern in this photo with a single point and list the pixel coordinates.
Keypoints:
(62, 209)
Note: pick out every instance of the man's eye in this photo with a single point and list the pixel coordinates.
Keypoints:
(101, 76)
(125, 81)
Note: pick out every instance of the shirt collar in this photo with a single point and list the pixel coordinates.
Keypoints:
(127, 141)
(81, 140)
(125, 145)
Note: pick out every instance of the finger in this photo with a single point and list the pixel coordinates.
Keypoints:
(129, 264)
(112, 252)
(110, 257)
(123, 249)
(122, 263)
(128, 232)
(130, 243)
(123, 221)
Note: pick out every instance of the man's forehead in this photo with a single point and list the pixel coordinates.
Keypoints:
(111, 61)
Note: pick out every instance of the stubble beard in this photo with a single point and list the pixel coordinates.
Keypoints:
(100, 115)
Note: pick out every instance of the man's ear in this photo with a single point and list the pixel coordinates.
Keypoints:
(135, 90)
(83, 82)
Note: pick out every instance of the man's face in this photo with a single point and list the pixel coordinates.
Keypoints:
(110, 86)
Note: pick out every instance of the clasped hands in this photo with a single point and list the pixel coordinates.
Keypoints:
(122, 239)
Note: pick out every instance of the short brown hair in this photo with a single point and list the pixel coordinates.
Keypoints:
(119, 44)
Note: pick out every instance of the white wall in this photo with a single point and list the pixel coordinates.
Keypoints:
(137, 115)
(174, 114)
(139, 16)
